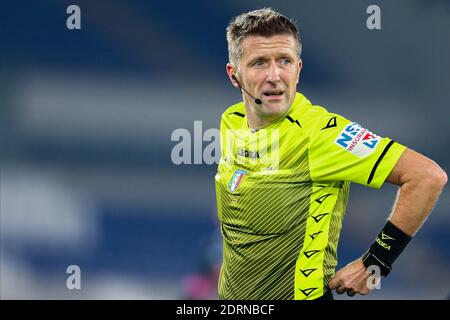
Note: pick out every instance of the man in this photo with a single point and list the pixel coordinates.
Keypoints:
(283, 179)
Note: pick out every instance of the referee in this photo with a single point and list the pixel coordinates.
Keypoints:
(283, 180)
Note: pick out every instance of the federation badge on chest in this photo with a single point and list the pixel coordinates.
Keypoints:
(236, 179)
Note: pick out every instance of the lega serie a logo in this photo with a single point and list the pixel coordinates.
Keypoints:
(236, 179)
(357, 140)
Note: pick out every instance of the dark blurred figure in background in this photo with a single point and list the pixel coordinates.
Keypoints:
(202, 284)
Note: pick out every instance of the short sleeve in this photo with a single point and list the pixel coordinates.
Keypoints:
(341, 150)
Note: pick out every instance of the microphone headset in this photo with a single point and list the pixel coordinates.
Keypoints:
(257, 101)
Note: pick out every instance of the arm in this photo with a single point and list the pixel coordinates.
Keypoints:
(421, 181)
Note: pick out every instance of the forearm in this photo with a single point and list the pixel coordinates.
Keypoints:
(421, 181)
(415, 200)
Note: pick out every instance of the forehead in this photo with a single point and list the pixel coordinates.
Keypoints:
(256, 45)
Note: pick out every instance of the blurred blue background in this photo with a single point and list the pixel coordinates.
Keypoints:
(86, 118)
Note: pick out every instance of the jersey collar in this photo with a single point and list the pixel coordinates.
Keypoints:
(298, 101)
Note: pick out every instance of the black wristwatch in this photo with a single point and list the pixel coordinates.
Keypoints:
(369, 259)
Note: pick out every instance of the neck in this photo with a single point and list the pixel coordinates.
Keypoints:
(256, 122)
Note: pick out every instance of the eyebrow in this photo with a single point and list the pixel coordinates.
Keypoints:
(278, 55)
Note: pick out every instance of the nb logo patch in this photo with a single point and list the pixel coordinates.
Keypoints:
(357, 140)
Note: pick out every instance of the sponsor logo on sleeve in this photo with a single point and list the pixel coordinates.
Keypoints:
(357, 140)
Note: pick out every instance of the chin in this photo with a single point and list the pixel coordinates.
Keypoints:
(276, 108)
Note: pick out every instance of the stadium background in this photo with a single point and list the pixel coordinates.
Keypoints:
(86, 118)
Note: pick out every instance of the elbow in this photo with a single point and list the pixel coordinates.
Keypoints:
(443, 178)
(436, 177)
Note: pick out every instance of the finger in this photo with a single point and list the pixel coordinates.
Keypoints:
(351, 292)
(340, 290)
(364, 292)
(333, 284)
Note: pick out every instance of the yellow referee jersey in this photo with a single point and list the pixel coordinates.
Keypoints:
(282, 193)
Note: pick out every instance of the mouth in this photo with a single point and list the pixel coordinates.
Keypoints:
(273, 93)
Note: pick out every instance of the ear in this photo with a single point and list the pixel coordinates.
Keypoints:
(300, 65)
(231, 71)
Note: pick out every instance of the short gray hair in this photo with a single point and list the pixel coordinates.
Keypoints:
(264, 22)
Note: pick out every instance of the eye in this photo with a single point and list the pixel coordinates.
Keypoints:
(258, 63)
(285, 61)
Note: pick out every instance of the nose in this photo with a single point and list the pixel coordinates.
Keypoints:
(273, 73)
